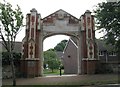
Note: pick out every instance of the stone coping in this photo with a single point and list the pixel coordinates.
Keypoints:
(31, 59)
(89, 59)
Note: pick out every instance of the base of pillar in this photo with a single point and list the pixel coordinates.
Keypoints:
(31, 68)
(89, 66)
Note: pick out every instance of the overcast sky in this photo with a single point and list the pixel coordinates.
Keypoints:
(46, 7)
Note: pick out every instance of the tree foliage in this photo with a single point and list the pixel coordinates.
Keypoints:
(51, 58)
(108, 20)
(6, 60)
(11, 20)
(60, 46)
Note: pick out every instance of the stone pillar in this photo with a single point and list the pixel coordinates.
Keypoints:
(41, 54)
(79, 57)
(88, 43)
(31, 68)
(91, 66)
(30, 61)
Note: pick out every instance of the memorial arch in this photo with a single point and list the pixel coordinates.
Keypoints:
(59, 22)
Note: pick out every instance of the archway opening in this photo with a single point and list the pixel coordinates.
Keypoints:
(52, 53)
(57, 58)
(52, 41)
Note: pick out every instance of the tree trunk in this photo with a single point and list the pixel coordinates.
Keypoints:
(13, 71)
(118, 65)
(52, 70)
(12, 64)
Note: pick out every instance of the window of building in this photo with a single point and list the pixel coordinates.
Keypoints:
(69, 56)
(112, 53)
(101, 53)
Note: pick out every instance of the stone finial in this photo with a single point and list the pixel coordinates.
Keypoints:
(87, 11)
(33, 10)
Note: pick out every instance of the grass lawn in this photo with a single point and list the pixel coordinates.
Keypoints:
(49, 72)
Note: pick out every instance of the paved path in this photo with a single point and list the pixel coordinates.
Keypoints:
(64, 80)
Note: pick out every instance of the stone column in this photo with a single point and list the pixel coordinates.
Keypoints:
(88, 43)
(32, 46)
(41, 53)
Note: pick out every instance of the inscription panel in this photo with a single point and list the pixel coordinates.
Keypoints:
(60, 27)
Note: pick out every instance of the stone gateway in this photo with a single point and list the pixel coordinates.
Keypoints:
(59, 22)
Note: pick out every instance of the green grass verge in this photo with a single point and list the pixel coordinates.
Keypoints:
(49, 72)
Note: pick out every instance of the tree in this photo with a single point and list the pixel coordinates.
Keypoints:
(11, 20)
(60, 46)
(108, 21)
(6, 60)
(51, 49)
(50, 58)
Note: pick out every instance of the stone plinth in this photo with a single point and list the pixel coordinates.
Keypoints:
(89, 66)
(30, 68)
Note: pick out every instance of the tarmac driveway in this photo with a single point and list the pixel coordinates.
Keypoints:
(65, 80)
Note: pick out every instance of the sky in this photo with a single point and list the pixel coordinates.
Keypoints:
(46, 7)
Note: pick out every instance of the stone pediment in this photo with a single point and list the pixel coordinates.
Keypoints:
(31, 41)
(60, 15)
